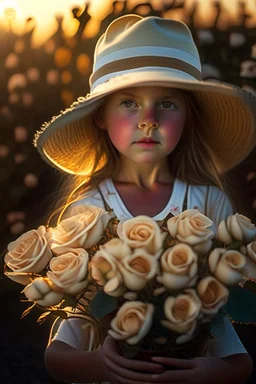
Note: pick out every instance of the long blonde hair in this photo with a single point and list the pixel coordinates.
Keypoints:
(191, 161)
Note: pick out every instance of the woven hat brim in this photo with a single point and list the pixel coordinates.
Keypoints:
(229, 111)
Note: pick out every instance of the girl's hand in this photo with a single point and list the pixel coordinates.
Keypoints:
(200, 370)
(120, 370)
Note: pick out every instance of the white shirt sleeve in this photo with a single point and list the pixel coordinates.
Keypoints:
(226, 342)
(79, 334)
(219, 206)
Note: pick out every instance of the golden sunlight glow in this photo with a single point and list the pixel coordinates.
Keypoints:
(13, 14)
(44, 12)
(229, 15)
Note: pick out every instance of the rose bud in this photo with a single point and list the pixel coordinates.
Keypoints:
(41, 293)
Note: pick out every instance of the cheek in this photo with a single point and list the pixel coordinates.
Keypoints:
(121, 131)
(173, 129)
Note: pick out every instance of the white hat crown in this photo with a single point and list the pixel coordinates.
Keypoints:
(133, 43)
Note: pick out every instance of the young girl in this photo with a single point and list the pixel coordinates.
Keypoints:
(151, 138)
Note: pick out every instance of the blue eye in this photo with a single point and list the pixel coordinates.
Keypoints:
(129, 104)
(167, 105)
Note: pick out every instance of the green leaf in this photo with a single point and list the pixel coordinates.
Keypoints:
(43, 317)
(235, 245)
(59, 313)
(26, 312)
(102, 304)
(250, 285)
(216, 243)
(69, 301)
(241, 305)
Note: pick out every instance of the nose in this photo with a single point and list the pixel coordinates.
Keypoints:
(148, 122)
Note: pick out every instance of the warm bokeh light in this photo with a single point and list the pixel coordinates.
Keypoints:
(13, 14)
(44, 12)
(206, 12)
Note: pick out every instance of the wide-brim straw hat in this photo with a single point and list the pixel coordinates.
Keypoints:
(136, 51)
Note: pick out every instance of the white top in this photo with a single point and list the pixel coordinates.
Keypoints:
(218, 207)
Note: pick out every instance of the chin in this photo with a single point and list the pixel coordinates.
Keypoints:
(146, 160)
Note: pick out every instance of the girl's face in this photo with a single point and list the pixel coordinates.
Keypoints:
(142, 114)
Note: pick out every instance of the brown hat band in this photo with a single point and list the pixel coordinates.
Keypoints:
(145, 61)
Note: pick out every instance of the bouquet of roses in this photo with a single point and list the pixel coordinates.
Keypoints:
(159, 286)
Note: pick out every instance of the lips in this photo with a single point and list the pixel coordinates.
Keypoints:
(146, 140)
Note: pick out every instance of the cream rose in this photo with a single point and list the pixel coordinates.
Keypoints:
(116, 248)
(105, 272)
(40, 291)
(69, 272)
(250, 252)
(227, 266)
(30, 253)
(250, 269)
(179, 267)
(132, 322)
(82, 230)
(138, 269)
(193, 228)
(236, 227)
(212, 294)
(182, 312)
(142, 232)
